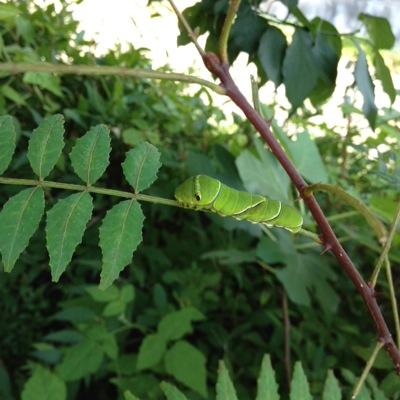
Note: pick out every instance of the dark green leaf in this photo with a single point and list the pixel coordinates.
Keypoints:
(66, 224)
(19, 219)
(120, 234)
(141, 166)
(300, 70)
(379, 30)
(383, 74)
(151, 351)
(178, 323)
(8, 139)
(80, 361)
(271, 52)
(90, 155)
(46, 144)
(44, 385)
(188, 366)
(366, 87)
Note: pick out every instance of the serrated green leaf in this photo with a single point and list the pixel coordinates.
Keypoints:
(46, 144)
(44, 385)
(225, 389)
(44, 80)
(171, 392)
(300, 72)
(90, 155)
(299, 388)
(383, 74)
(81, 360)
(66, 224)
(120, 234)
(19, 219)
(366, 87)
(331, 388)
(188, 366)
(379, 30)
(178, 323)
(267, 388)
(141, 166)
(8, 140)
(271, 52)
(151, 351)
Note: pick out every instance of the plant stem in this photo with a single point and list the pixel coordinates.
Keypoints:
(393, 300)
(374, 222)
(328, 236)
(226, 29)
(386, 248)
(187, 27)
(367, 368)
(91, 189)
(347, 214)
(19, 68)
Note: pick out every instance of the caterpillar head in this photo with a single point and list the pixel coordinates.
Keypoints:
(198, 191)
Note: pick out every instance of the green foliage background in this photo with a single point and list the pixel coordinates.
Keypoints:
(201, 288)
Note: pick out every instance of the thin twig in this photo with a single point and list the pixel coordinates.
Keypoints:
(19, 68)
(367, 368)
(226, 29)
(393, 300)
(386, 248)
(188, 29)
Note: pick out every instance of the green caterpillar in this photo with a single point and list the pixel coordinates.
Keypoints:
(202, 192)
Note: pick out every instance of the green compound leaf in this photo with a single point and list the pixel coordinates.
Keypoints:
(66, 223)
(171, 392)
(267, 388)
(19, 219)
(188, 366)
(141, 166)
(44, 80)
(44, 385)
(225, 388)
(8, 140)
(299, 387)
(151, 351)
(366, 87)
(120, 234)
(331, 388)
(90, 155)
(46, 144)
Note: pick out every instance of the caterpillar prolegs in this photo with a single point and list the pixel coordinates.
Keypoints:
(202, 192)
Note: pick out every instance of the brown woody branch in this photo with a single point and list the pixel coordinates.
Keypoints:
(328, 237)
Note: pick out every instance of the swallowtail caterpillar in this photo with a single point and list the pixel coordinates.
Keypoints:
(202, 192)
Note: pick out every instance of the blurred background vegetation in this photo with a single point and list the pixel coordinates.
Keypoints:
(235, 283)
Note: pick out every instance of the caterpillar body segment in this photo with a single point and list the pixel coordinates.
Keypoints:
(202, 192)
